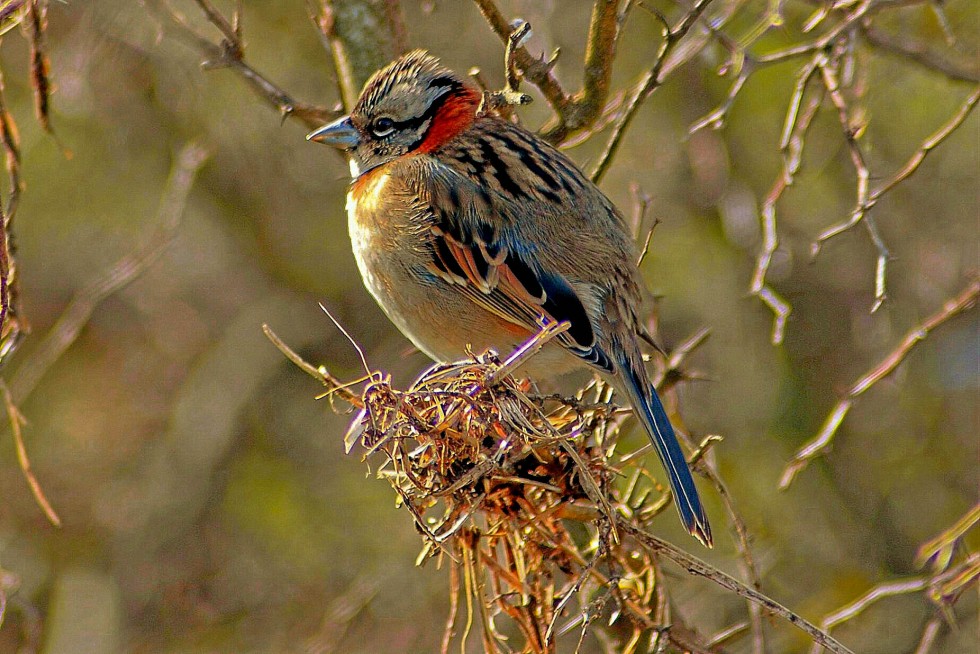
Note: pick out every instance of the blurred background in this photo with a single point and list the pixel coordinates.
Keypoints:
(207, 504)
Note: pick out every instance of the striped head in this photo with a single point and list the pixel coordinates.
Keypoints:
(414, 104)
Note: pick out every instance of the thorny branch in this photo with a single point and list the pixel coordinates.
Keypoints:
(939, 550)
(966, 300)
(323, 16)
(537, 71)
(697, 567)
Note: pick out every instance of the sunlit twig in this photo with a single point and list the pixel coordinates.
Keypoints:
(824, 438)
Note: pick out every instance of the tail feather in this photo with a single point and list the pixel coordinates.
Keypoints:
(650, 410)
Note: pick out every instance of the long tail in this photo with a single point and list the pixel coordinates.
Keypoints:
(646, 403)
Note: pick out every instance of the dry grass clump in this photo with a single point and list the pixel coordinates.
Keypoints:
(516, 491)
(543, 525)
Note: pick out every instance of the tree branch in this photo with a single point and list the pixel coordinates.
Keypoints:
(821, 443)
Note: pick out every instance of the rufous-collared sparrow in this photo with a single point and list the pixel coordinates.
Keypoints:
(468, 229)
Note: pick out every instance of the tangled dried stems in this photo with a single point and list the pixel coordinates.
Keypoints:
(544, 525)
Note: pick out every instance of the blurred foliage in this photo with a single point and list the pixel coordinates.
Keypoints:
(206, 501)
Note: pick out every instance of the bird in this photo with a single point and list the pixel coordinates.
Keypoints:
(470, 230)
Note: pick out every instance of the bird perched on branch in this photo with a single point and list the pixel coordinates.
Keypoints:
(468, 230)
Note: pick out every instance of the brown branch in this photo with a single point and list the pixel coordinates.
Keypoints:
(537, 71)
(10, 142)
(862, 205)
(326, 24)
(927, 146)
(396, 26)
(64, 332)
(824, 438)
(795, 129)
(940, 548)
(746, 562)
(12, 323)
(959, 69)
(929, 634)
(334, 385)
(37, 22)
(697, 567)
(16, 422)
(867, 199)
(229, 53)
(647, 85)
(966, 570)
(586, 106)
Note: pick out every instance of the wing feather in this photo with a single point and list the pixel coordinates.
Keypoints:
(469, 253)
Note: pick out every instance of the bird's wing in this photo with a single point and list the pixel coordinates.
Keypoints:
(470, 249)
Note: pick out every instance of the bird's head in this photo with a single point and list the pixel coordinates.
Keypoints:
(414, 104)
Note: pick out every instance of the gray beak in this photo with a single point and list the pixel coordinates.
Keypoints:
(340, 134)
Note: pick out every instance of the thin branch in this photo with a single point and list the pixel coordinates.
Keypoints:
(64, 332)
(746, 562)
(929, 634)
(940, 548)
(824, 438)
(927, 146)
(229, 53)
(894, 589)
(396, 26)
(699, 568)
(326, 24)
(16, 422)
(537, 71)
(647, 85)
(862, 205)
(795, 128)
(908, 49)
(334, 385)
(586, 106)
(11, 321)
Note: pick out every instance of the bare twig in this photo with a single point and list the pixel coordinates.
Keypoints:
(229, 53)
(967, 570)
(334, 385)
(940, 549)
(326, 24)
(16, 422)
(647, 85)
(740, 536)
(37, 20)
(520, 356)
(795, 128)
(396, 26)
(960, 69)
(862, 205)
(12, 323)
(64, 332)
(695, 566)
(538, 72)
(824, 438)
(586, 106)
(929, 634)
(927, 146)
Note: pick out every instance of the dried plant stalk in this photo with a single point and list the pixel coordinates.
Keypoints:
(545, 528)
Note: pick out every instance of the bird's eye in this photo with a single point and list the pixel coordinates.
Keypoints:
(383, 126)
